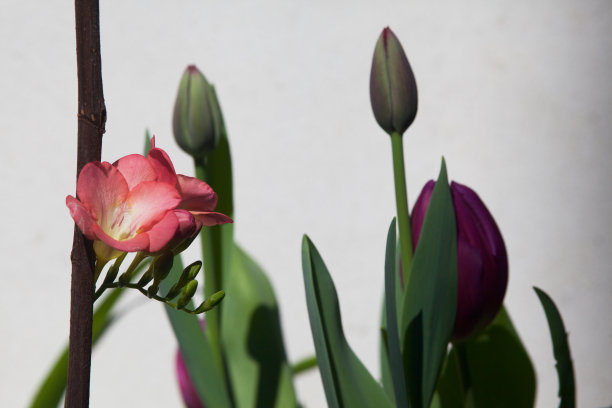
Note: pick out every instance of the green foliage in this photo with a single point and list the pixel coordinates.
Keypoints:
(252, 340)
(346, 381)
(393, 345)
(206, 375)
(428, 310)
(492, 369)
(561, 350)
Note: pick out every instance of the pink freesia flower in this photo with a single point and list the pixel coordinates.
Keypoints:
(140, 204)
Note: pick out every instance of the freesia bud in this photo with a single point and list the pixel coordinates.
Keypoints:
(482, 263)
(188, 391)
(393, 91)
(193, 121)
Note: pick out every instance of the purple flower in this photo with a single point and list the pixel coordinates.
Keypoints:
(482, 262)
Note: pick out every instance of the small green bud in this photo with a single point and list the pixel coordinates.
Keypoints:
(162, 266)
(147, 277)
(113, 271)
(187, 294)
(193, 122)
(189, 273)
(211, 302)
(393, 91)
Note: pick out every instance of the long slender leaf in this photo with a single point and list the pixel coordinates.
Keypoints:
(561, 350)
(431, 295)
(393, 341)
(346, 381)
(252, 340)
(203, 369)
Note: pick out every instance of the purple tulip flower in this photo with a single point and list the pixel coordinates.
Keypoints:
(482, 262)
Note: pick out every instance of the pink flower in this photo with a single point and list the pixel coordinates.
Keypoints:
(140, 204)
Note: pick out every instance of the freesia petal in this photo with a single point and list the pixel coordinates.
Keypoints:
(162, 165)
(81, 216)
(209, 219)
(162, 232)
(135, 168)
(187, 223)
(196, 194)
(148, 203)
(104, 252)
(139, 242)
(100, 187)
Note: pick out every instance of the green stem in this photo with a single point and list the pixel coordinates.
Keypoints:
(304, 364)
(464, 373)
(401, 201)
(212, 272)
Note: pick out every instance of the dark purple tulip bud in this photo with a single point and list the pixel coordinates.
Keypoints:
(188, 391)
(482, 263)
(393, 91)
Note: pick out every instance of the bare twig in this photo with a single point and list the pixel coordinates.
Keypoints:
(91, 121)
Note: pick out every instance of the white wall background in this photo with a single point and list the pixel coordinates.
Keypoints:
(518, 97)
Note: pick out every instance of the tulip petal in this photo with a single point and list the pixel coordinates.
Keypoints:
(81, 216)
(196, 194)
(470, 302)
(100, 187)
(209, 219)
(419, 211)
(135, 168)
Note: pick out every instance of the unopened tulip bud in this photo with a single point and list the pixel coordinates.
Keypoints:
(193, 121)
(393, 91)
(482, 263)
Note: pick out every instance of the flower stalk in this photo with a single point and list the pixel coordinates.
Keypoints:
(401, 201)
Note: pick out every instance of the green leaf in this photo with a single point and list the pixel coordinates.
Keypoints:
(496, 367)
(430, 298)
(394, 352)
(561, 350)
(346, 381)
(203, 369)
(53, 386)
(252, 340)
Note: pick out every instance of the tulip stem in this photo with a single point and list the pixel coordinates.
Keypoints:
(211, 254)
(401, 201)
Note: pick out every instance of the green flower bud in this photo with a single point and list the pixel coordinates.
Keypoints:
(211, 302)
(195, 127)
(393, 91)
(187, 294)
(189, 273)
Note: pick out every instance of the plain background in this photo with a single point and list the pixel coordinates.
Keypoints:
(517, 97)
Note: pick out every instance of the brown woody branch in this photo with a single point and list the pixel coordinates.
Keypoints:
(91, 120)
